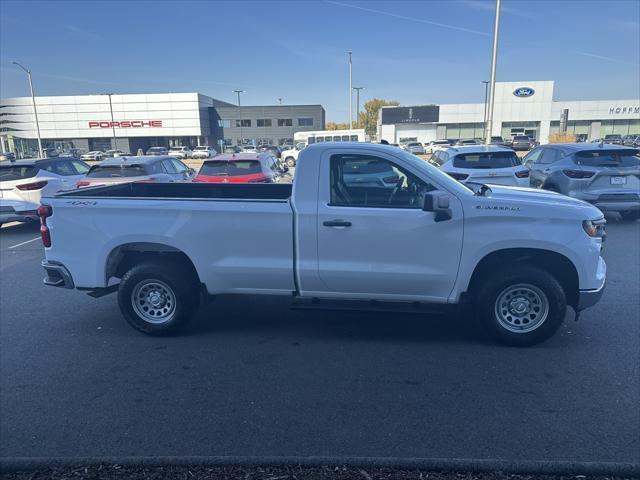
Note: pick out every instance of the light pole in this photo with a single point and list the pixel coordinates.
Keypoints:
(350, 94)
(113, 127)
(357, 89)
(35, 111)
(238, 92)
(492, 88)
(486, 94)
(279, 101)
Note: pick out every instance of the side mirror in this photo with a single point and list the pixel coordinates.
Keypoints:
(437, 202)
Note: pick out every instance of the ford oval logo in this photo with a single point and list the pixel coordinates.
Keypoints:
(524, 92)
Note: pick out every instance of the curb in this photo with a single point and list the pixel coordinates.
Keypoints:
(621, 469)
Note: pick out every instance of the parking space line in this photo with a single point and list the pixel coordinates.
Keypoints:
(24, 243)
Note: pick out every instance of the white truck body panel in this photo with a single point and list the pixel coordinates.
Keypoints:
(282, 246)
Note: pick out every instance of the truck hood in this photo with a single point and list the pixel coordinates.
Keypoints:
(541, 199)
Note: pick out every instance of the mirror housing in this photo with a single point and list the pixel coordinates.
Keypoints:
(437, 202)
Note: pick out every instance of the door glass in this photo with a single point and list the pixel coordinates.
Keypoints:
(180, 167)
(81, 167)
(168, 166)
(64, 168)
(369, 181)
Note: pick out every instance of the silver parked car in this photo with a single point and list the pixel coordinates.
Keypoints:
(160, 169)
(414, 147)
(607, 176)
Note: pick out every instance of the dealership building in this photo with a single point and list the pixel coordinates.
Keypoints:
(139, 121)
(527, 108)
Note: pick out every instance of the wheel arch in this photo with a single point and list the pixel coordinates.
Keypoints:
(557, 264)
(125, 256)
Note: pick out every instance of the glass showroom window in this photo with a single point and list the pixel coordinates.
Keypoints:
(263, 122)
(224, 123)
(285, 122)
(243, 123)
(305, 122)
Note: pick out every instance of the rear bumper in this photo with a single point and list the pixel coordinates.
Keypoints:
(57, 275)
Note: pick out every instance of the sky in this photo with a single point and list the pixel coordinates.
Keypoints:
(415, 52)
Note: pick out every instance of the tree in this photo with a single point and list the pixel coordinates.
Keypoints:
(368, 118)
(336, 126)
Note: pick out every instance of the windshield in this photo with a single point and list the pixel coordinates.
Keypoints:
(16, 172)
(608, 158)
(486, 160)
(202, 148)
(230, 168)
(114, 171)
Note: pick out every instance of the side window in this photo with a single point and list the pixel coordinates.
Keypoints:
(369, 181)
(549, 155)
(179, 166)
(154, 168)
(533, 156)
(64, 168)
(81, 167)
(168, 166)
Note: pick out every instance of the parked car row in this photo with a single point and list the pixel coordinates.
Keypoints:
(518, 142)
(605, 175)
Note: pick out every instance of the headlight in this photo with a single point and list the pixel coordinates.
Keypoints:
(595, 228)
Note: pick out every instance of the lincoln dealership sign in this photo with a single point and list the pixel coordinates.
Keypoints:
(127, 124)
(420, 114)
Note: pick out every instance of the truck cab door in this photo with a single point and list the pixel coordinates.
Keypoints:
(374, 239)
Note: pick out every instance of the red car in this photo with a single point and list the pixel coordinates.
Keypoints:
(241, 168)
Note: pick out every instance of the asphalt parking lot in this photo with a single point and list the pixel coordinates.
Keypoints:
(253, 378)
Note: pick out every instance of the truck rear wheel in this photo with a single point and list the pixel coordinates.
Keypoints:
(521, 306)
(158, 298)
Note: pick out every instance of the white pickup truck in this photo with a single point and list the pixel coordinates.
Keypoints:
(363, 224)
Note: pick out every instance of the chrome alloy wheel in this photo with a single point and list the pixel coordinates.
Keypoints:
(154, 301)
(521, 308)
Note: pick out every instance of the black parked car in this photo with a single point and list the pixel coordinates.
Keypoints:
(614, 139)
(271, 148)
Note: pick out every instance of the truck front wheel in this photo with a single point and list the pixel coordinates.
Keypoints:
(521, 306)
(157, 298)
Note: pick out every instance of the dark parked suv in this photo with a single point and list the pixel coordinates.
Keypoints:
(613, 139)
(521, 142)
(607, 176)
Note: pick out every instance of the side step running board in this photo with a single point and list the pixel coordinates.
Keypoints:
(373, 306)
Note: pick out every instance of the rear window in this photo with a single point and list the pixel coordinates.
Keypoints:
(202, 148)
(114, 171)
(522, 138)
(486, 160)
(231, 169)
(9, 173)
(608, 158)
(414, 145)
(366, 167)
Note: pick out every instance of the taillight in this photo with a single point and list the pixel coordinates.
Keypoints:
(458, 176)
(578, 173)
(44, 212)
(522, 174)
(82, 183)
(32, 186)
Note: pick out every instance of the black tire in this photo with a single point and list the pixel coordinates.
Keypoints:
(631, 215)
(291, 162)
(527, 283)
(176, 287)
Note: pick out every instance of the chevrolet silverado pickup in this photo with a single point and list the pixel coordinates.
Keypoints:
(362, 224)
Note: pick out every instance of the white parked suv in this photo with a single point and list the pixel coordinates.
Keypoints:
(23, 182)
(513, 257)
(203, 151)
(482, 164)
(180, 152)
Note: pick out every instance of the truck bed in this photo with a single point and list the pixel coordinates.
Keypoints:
(273, 191)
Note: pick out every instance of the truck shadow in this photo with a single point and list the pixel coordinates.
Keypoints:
(274, 316)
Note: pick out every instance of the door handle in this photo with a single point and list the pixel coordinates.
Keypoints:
(336, 223)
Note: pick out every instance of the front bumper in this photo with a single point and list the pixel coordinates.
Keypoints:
(588, 298)
(57, 275)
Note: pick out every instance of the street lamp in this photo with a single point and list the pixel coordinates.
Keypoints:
(238, 92)
(486, 94)
(35, 111)
(357, 89)
(113, 127)
(279, 101)
(492, 87)
(350, 94)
